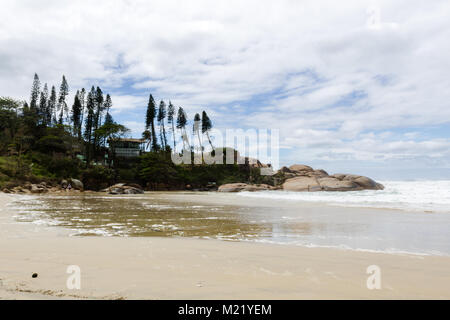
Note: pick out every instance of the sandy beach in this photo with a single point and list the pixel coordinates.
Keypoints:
(184, 268)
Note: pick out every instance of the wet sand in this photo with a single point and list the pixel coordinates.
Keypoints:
(184, 268)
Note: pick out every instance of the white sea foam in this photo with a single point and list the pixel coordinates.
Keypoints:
(433, 196)
(346, 247)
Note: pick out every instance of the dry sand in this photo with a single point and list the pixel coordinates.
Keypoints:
(172, 268)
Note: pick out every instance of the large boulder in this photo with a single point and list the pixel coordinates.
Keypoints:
(302, 183)
(76, 184)
(366, 183)
(362, 181)
(232, 187)
(300, 168)
(333, 184)
(132, 191)
(237, 187)
(37, 189)
(258, 187)
(123, 188)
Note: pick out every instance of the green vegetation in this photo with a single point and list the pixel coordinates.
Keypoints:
(45, 140)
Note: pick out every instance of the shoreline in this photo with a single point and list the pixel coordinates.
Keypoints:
(185, 268)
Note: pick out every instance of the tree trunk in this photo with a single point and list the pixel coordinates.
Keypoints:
(173, 135)
(209, 140)
(200, 143)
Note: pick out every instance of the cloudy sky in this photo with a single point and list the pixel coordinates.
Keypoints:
(359, 86)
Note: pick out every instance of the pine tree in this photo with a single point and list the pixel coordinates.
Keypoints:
(181, 124)
(82, 98)
(89, 123)
(99, 108)
(35, 90)
(161, 116)
(150, 122)
(170, 120)
(62, 105)
(76, 116)
(206, 126)
(43, 106)
(108, 118)
(30, 121)
(51, 108)
(108, 104)
(196, 130)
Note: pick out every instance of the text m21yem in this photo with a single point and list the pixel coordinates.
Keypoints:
(256, 309)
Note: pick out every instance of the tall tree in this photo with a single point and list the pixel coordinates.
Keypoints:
(41, 111)
(196, 131)
(181, 124)
(10, 122)
(161, 116)
(51, 108)
(150, 122)
(99, 108)
(43, 106)
(89, 123)
(108, 104)
(35, 90)
(108, 118)
(170, 120)
(147, 136)
(82, 97)
(62, 105)
(206, 126)
(76, 116)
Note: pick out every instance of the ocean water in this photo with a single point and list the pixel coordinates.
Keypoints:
(420, 196)
(406, 217)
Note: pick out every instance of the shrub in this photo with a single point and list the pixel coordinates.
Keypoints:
(97, 178)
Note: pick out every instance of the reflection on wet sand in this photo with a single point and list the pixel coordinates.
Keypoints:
(146, 216)
(234, 217)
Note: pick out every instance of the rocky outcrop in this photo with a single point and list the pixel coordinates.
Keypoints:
(302, 183)
(361, 181)
(237, 187)
(123, 188)
(33, 188)
(332, 184)
(305, 178)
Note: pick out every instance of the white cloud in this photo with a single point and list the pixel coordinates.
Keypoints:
(315, 69)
